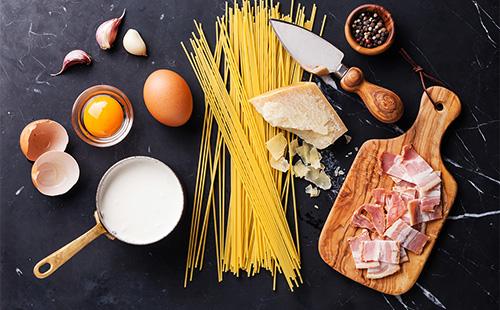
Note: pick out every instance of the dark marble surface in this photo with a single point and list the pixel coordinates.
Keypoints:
(455, 40)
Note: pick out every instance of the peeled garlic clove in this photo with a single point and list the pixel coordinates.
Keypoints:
(105, 34)
(72, 58)
(42, 136)
(133, 43)
(55, 173)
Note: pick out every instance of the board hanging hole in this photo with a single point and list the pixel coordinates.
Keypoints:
(439, 106)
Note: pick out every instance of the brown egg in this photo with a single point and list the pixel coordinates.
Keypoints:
(168, 98)
(42, 136)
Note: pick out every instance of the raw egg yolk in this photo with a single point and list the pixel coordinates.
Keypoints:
(102, 116)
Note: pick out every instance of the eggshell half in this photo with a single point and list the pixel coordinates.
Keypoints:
(42, 136)
(54, 173)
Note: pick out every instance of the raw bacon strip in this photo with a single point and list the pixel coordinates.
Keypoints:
(379, 194)
(431, 216)
(403, 256)
(428, 203)
(360, 220)
(386, 251)
(431, 199)
(402, 185)
(416, 216)
(382, 271)
(421, 227)
(418, 169)
(378, 216)
(356, 248)
(410, 238)
(414, 211)
(395, 208)
(392, 165)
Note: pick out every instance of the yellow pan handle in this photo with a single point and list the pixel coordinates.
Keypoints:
(59, 257)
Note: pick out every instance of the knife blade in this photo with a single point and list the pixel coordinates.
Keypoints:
(318, 56)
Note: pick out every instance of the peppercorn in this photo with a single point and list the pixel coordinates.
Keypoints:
(368, 29)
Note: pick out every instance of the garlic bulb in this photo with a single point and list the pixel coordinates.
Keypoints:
(105, 34)
(133, 43)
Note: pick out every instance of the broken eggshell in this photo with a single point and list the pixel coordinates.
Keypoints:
(42, 136)
(55, 173)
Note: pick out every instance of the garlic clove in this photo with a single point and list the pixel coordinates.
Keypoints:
(133, 43)
(72, 58)
(105, 34)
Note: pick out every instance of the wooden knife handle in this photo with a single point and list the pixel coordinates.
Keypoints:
(384, 104)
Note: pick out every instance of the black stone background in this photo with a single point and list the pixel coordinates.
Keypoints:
(455, 40)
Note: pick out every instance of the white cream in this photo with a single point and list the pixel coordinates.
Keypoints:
(140, 200)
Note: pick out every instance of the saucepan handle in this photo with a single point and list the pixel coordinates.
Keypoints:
(382, 103)
(59, 257)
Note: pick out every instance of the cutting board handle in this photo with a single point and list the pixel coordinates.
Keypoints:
(433, 121)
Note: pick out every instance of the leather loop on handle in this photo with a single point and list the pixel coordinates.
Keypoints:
(59, 257)
(382, 103)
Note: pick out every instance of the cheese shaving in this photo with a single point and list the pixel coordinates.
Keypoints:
(315, 158)
(312, 191)
(293, 148)
(300, 170)
(319, 178)
(303, 152)
(347, 139)
(281, 164)
(276, 146)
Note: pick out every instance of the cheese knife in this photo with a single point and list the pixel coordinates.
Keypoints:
(318, 56)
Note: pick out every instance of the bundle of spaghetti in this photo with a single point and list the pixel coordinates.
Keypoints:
(247, 60)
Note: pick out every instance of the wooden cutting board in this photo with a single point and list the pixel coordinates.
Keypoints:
(425, 135)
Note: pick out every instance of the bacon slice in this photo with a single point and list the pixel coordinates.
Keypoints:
(360, 220)
(378, 216)
(356, 249)
(403, 256)
(382, 271)
(410, 167)
(410, 238)
(414, 211)
(386, 251)
(421, 227)
(391, 164)
(379, 194)
(402, 185)
(418, 169)
(406, 190)
(431, 199)
(374, 222)
(395, 208)
(416, 216)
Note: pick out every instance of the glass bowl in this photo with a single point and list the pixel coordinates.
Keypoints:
(77, 115)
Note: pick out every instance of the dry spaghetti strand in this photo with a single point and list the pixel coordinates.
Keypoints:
(250, 226)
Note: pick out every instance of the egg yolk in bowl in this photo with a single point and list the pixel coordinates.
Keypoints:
(102, 116)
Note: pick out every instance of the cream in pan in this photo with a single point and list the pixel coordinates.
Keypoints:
(140, 200)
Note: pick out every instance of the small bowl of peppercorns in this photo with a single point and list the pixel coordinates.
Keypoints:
(369, 29)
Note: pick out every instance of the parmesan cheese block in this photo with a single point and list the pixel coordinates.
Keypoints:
(303, 110)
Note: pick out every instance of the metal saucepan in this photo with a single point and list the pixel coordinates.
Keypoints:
(112, 177)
